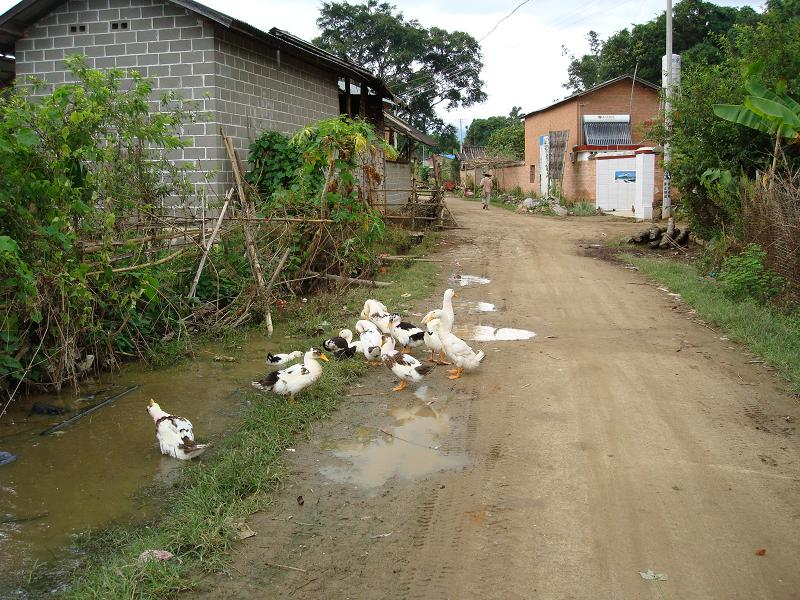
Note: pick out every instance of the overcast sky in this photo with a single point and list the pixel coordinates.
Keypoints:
(523, 61)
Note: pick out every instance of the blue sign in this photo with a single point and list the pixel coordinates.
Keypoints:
(625, 176)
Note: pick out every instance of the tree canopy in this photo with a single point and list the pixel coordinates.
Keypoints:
(427, 67)
(701, 141)
(480, 130)
(508, 142)
(700, 31)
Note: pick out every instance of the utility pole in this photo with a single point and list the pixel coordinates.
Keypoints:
(461, 136)
(666, 204)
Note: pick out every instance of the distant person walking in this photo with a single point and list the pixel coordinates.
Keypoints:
(486, 186)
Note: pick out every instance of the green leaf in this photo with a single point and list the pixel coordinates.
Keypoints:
(773, 110)
(736, 113)
(27, 137)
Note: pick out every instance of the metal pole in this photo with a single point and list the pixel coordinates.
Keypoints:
(461, 136)
(666, 205)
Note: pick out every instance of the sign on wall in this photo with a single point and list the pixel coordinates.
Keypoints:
(625, 176)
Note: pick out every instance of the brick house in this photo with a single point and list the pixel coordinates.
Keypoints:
(241, 78)
(592, 146)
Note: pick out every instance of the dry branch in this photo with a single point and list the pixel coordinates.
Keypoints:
(210, 243)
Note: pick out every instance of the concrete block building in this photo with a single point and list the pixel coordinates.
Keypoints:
(593, 146)
(241, 78)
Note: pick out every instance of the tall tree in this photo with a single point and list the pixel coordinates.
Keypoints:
(700, 30)
(426, 67)
(446, 139)
(480, 130)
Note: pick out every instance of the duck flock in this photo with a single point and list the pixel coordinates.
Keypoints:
(380, 333)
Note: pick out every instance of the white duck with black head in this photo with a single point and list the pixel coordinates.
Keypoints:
(340, 345)
(407, 334)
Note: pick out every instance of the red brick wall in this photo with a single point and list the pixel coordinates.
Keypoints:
(509, 177)
(613, 99)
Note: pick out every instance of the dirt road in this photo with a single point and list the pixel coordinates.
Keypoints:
(623, 438)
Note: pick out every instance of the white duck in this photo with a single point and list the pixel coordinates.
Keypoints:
(370, 339)
(457, 350)
(281, 359)
(174, 434)
(290, 381)
(347, 336)
(408, 335)
(447, 317)
(383, 321)
(406, 367)
(432, 341)
(372, 307)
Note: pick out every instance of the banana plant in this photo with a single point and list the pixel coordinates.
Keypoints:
(772, 112)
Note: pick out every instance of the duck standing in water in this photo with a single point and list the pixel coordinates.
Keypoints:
(174, 434)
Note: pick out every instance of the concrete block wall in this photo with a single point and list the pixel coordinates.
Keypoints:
(232, 80)
(260, 88)
(397, 176)
(157, 38)
(507, 178)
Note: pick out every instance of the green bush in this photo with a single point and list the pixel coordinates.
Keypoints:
(274, 160)
(582, 208)
(77, 166)
(744, 276)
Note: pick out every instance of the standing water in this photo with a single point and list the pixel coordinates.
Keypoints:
(97, 471)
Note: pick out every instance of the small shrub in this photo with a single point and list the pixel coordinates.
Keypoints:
(517, 193)
(583, 209)
(744, 276)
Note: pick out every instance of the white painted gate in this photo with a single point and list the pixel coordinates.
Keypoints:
(616, 183)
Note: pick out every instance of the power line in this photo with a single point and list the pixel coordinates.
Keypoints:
(459, 70)
(496, 25)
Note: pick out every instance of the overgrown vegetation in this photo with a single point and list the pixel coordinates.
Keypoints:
(745, 276)
(767, 331)
(242, 475)
(78, 166)
(99, 242)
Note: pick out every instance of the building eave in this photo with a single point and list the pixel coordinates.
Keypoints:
(594, 89)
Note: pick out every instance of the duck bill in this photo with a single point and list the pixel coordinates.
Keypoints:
(324, 358)
(151, 403)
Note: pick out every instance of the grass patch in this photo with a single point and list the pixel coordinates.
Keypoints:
(767, 332)
(582, 209)
(246, 469)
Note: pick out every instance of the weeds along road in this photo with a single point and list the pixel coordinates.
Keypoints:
(624, 438)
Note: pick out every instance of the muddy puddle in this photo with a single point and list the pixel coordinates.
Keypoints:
(106, 468)
(488, 333)
(409, 448)
(477, 308)
(465, 280)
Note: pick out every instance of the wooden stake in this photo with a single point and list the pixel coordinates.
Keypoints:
(269, 287)
(250, 242)
(210, 243)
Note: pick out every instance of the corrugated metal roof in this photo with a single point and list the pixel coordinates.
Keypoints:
(398, 124)
(607, 134)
